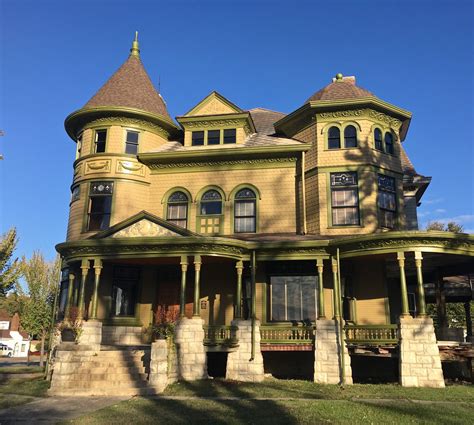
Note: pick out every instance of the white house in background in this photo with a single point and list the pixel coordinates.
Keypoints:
(13, 341)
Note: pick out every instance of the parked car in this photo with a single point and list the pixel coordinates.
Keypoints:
(5, 350)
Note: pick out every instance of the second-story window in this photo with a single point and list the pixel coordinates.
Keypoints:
(245, 204)
(378, 139)
(210, 211)
(389, 143)
(350, 137)
(213, 137)
(178, 209)
(100, 205)
(197, 138)
(387, 201)
(131, 142)
(334, 138)
(100, 140)
(230, 135)
(344, 199)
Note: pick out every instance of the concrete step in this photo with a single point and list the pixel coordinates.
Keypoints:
(101, 377)
(86, 385)
(104, 391)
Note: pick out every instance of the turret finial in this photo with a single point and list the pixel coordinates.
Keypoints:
(339, 77)
(135, 51)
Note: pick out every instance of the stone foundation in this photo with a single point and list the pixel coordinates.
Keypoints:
(327, 358)
(191, 356)
(91, 334)
(239, 366)
(163, 365)
(420, 363)
(122, 335)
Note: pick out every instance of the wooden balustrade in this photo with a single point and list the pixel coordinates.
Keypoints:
(372, 334)
(277, 334)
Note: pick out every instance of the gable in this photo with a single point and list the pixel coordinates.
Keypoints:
(142, 225)
(214, 104)
(144, 228)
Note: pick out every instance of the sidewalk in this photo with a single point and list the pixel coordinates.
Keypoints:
(51, 410)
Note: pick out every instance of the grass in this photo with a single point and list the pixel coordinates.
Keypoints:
(274, 388)
(20, 391)
(21, 369)
(310, 404)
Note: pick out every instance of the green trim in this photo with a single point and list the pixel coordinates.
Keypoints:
(122, 321)
(78, 120)
(164, 202)
(101, 154)
(211, 96)
(341, 126)
(359, 168)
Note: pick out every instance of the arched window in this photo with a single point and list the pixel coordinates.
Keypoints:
(378, 139)
(245, 211)
(350, 137)
(177, 211)
(210, 211)
(334, 138)
(389, 143)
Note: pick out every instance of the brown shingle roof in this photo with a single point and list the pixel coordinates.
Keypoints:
(130, 87)
(264, 119)
(341, 90)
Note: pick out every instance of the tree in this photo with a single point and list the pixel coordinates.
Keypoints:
(10, 270)
(42, 281)
(441, 227)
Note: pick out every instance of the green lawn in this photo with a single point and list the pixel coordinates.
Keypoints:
(20, 391)
(311, 404)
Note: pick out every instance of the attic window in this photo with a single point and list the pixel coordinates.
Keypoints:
(197, 138)
(213, 137)
(230, 135)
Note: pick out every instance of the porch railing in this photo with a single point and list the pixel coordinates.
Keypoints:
(220, 335)
(277, 334)
(372, 334)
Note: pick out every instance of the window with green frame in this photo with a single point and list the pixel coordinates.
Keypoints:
(177, 209)
(387, 201)
(100, 206)
(100, 140)
(245, 211)
(210, 212)
(344, 199)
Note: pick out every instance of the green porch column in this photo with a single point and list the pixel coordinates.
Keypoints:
(238, 293)
(70, 289)
(403, 283)
(85, 270)
(95, 295)
(419, 280)
(337, 313)
(320, 266)
(197, 283)
(182, 300)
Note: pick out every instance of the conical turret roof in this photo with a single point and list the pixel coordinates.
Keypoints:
(130, 87)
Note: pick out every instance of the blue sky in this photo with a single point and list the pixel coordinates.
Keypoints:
(55, 55)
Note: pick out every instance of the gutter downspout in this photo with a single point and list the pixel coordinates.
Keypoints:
(253, 266)
(341, 321)
(303, 190)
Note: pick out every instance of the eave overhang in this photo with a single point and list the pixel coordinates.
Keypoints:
(290, 124)
(222, 154)
(77, 120)
(354, 246)
(243, 116)
(417, 184)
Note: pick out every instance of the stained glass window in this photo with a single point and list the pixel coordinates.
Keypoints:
(344, 199)
(100, 205)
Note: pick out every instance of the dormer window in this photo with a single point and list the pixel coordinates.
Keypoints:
(213, 137)
(131, 142)
(230, 135)
(334, 138)
(100, 140)
(197, 138)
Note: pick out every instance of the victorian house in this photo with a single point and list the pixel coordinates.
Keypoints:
(279, 240)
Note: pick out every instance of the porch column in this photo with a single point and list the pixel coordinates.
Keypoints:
(197, 282)
(95, 295)
(238, 293)
(85, 270)
(337, 313)
(321, 313)
(419, 280)
(184, 269)
(403, 283)
(70, 289)
(440, 300)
